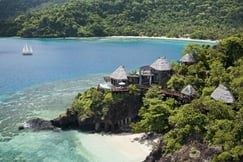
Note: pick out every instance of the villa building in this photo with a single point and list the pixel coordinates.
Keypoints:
(188, 90)
(221, 93)
(158, 72)
(187, 59)
(121, 78)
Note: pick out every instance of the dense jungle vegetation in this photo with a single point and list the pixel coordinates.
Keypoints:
(203, 19)
(203, 120)
(12, 8)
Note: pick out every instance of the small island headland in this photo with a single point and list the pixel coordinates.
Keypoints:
(194, 107)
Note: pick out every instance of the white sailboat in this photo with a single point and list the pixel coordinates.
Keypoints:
(27, 50)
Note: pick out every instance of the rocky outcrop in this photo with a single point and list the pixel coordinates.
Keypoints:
(115, 121)
(113, 115)
(195, 152)
(156, 153)
(69, 120)
(38, 125)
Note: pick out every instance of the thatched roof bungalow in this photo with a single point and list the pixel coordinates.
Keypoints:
(188, 59)
(188, 90)
(222, 93)
(158, 72)
(119, 76)
(145, 75)
(161, 64)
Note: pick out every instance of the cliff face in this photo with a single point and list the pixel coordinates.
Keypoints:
(95, 110)
(69, 120)
(108, 112)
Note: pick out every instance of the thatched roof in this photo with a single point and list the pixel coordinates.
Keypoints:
(223, 94)
(119, 74)
(188, 58)
(161, 64)
(188, 90)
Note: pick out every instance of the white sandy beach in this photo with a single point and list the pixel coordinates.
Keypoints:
(165, 38)
(145, 37)
(118, 148)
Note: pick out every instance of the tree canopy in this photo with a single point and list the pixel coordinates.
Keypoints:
(204, 120)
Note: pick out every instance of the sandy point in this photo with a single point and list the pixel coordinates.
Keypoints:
(125, 147)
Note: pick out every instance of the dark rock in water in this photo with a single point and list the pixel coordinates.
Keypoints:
(38, 125)
(21, 127)
(66, 121)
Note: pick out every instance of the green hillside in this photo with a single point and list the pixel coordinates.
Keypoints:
(12, 8)
(77, 18)
(205, 120)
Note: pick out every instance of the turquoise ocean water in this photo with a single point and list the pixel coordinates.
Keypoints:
(44, 85)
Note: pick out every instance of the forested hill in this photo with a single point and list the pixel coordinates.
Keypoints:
(203, 19)
(12, 8)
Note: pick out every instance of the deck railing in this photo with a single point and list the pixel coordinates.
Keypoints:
(168, 92)
(119, 89)
(174, 93)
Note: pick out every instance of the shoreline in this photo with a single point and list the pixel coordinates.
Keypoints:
(166, 38)
(121, 147)
(128, 37)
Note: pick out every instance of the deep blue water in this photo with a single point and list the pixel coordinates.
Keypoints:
(44, 84)
(59, 59)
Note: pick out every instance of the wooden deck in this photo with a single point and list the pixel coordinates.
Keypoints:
(146, 87)
(119, 89)
(167, 92)
(173, 93)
